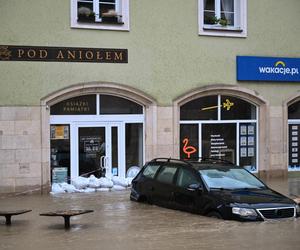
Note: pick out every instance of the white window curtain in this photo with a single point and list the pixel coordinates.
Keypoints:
(228, 7)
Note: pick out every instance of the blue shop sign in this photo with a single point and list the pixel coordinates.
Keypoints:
(275, 69)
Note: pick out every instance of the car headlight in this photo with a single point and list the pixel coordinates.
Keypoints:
(245, 212)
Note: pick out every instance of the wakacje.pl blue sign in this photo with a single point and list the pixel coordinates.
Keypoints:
(275, 69)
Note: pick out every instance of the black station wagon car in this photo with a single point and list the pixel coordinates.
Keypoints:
(210, 187)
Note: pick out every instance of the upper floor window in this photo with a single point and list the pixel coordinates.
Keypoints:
(223, 17)
(100, 14)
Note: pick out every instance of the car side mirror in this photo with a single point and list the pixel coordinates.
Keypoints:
(195, 187)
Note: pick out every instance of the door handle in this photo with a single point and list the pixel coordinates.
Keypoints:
(105, 162)
(102, 162)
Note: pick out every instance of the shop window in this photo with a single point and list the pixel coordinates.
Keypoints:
(233, 108)
(247, 145)
(205, 108)
(294, 136)
(134, 145)
(189, 142)
(222, 17)
(100, 14)
(60, 152)
(294, 111)
(116, 105)
(219, 141)
(80, 105)
(227, 133)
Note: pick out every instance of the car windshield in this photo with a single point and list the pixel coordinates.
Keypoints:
(230, 179)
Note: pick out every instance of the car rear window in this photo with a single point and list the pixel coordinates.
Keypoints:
(166, 175)
(151, 170)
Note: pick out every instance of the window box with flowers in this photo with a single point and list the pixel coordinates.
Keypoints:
(223, 17)
(100, 14)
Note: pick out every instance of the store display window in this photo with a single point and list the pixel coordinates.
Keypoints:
(220, 127)
(60, 152)
(294, 136)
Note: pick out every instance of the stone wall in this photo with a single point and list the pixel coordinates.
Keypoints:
(20, 150)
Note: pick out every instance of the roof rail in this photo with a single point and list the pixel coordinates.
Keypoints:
(212, 160)
(170, 160)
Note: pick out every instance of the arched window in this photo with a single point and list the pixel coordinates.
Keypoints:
(294, 136)
(91, 132)
(220, 126)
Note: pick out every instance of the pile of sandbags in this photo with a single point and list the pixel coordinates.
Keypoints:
(92, 184)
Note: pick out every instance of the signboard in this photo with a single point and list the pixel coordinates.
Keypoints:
(275, 69)
(62, 54)
(92, 145)
(80, 105)
(58, 132)
(59, 175)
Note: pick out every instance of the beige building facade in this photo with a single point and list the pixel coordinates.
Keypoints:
(178, 90)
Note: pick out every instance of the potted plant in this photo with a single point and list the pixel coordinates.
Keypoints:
(86, 15)
(111, 16)
(223, 22)
(210, 20)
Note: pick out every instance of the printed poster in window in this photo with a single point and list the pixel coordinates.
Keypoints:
(243, 130)
(243, 152)
(59, 132)
(251, 141)
(251, 130)
(243, 141)
(250, 152)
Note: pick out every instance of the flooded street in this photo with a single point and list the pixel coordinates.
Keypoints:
(118, 223)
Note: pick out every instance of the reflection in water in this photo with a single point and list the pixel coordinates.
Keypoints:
(118, 223)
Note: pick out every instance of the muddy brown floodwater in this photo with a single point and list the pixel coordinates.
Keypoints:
(117, 223)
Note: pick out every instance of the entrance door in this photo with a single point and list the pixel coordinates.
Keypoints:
(98, 147)
(219, 141)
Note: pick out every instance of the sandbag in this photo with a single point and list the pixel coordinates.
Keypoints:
(80, 182)
(102, 189)
(69, 188)
(105, 182)
(94, 182)
(57, 189)
(118, 188)
(120, 181)
(89, 190)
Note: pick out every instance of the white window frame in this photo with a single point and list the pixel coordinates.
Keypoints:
(237, 123)
(291, 122)
(100, 120)
(238, 30)
(122, 6)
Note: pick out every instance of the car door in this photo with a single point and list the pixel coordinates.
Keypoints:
(164, 185)
(185, 197)
(146, 181)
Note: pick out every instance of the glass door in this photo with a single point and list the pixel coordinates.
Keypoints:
(219, 141)
(98, 149)
(91, 151)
